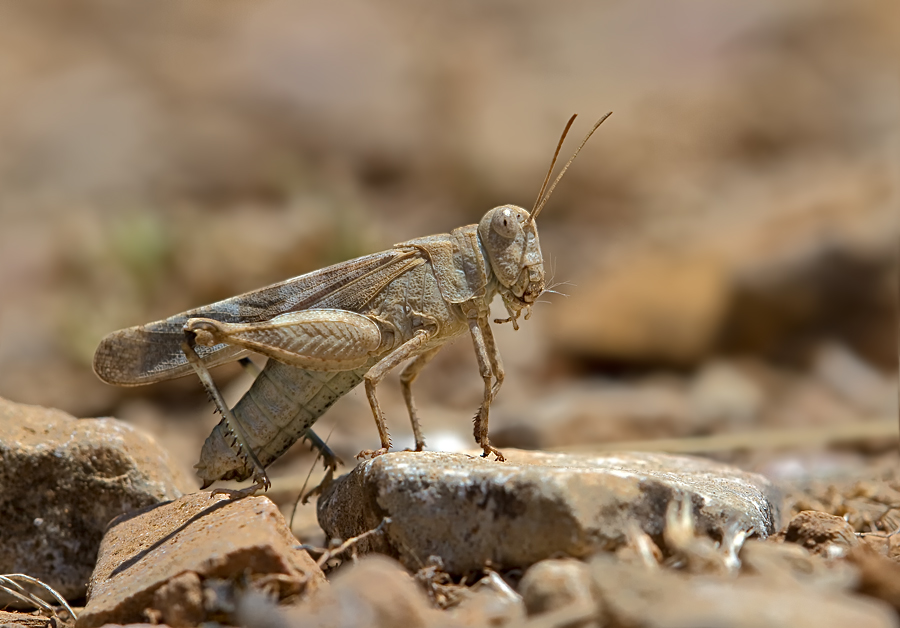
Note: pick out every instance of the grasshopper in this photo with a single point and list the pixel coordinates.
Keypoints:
(326, 331)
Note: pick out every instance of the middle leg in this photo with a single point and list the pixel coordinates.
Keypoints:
(407, 377)
(378, 373)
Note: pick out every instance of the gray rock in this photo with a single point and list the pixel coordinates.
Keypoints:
(144, 557)
(473, 512)
(62, 480)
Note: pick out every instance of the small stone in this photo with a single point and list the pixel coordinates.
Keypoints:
(144, 557)
(376, 592)
(62, 480)
(556, 583)
(490, 602)
(821, 533)
(473, 512)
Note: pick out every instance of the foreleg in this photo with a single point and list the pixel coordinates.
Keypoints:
(488, 361)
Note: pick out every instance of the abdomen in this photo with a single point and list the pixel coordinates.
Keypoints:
(283, 402)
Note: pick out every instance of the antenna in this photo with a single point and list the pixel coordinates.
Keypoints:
(562, 138)
(543, 200)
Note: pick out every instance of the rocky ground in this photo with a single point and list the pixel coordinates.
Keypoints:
(702, 433)
(93, 510)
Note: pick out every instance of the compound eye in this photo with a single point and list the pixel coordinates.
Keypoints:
(506, 223)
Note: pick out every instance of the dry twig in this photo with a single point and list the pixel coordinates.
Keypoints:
(9, 583)
(328, 554)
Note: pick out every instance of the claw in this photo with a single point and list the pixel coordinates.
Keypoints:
(326, 481)
(490, 449)
(331, 463)
(329, 458)
(368, 453)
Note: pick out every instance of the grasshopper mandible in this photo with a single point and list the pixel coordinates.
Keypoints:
(326, 331)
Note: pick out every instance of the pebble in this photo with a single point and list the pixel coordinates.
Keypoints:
(555, 583)
(821, 533)
(490, 602)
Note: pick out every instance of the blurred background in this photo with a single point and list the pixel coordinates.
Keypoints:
(728, 240)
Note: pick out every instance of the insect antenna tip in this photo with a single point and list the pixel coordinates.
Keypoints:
(543, 198)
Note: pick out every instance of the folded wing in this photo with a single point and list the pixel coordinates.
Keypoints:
(150, 353)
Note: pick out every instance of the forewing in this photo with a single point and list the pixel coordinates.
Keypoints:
(152, 352)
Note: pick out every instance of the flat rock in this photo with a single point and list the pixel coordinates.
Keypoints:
(62, 480)
(473, 512)
(144, 558)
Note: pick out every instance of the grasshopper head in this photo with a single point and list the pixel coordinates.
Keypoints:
(510, 239)
(509, 236)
